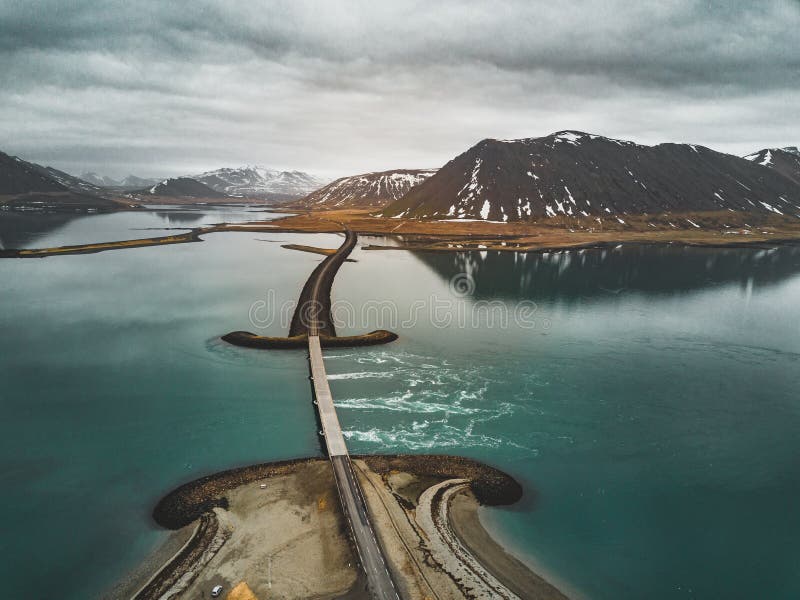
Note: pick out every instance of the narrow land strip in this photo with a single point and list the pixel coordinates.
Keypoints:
(715, 229)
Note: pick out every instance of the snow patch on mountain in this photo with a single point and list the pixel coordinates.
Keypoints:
(131, 182)
(368, 190)
(570, 173)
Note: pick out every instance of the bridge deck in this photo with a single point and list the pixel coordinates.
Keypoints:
(334, 440)
(379, 580)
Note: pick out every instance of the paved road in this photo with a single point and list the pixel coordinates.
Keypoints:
(334, 440)
(313, 313)
(379, 580)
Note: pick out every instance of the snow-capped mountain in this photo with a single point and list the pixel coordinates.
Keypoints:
(258, 182)
(99, 180)
(785, 161)
(369, 190)
(71, 182)
(571, 173)
(181, 187)
(131, 182)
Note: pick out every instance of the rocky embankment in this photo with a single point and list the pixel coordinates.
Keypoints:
(190, 501)
(291, 506)
(492, 487)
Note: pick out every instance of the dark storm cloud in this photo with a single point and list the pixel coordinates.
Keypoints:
(681, 43)
(359, 85)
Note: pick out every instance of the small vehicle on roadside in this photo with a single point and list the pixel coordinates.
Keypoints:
(216, 591)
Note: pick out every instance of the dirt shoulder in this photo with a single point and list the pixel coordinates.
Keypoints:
(286, 540)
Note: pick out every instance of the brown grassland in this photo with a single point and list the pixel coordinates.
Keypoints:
(723, 228)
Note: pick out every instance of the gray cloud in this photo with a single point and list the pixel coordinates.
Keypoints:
(337, 87)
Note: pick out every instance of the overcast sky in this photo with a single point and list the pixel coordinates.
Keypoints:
(154, 88)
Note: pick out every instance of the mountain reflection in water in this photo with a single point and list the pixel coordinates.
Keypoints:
(19, 228)
(575, 274)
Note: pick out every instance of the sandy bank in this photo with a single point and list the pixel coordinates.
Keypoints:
(284, 535)
(466, 525)
(163, 553)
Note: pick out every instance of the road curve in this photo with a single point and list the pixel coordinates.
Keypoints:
(313, 314)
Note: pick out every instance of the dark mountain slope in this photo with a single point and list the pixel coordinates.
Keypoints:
(28, 186)
(574, 173)
(71, 182)
(20, 177)
(785, 161)
(181, 187)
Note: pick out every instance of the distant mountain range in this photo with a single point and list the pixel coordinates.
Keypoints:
(131, 182)
(180, 187)
(565, 174)
(785, 161)
(258, 182)
(29, 186)
(369, 190)
(571, 173)
(242, 182)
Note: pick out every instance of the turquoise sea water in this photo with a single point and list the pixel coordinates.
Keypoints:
(649, 403)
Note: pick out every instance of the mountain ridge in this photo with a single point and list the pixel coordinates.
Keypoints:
(366, 190)
(180, 187)
(252, 181)
(785, 161)
(249, 181)
(571, 173)
(29, 186)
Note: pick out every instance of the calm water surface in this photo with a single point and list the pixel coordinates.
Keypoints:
(32, 230)
(650, 410)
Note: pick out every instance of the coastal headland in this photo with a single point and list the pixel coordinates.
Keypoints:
(278, 528)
